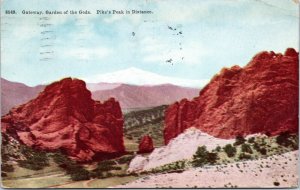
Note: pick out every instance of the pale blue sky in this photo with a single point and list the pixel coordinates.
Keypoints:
(215, 34)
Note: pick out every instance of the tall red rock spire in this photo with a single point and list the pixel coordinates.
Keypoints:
(146, 144)
(65, 117)
(262, 97)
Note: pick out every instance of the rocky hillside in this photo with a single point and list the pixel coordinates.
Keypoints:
(189, 141)
(65, 117)
(199, 149)
(277, 171)
(142, 117)
(145, 122)
(261, 97)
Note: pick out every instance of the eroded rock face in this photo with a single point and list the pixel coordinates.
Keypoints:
(65, 117)
(146, 144)
(262, 97)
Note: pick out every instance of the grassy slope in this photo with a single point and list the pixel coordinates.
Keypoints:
(269, 143)
(137, 124)
(54, 176)
(26, 178)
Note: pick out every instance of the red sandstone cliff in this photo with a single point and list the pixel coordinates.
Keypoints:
(65, 117)
(259, 98)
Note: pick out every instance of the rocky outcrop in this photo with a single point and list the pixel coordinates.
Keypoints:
(65, 117)
(262, 97)
(182, 147)
(279, 168)
(146, 144)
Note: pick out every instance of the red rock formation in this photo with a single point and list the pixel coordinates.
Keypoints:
(65, 117)
(146, 144)
(259, 98)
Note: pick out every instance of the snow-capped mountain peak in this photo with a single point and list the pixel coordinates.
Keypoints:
(137, 76)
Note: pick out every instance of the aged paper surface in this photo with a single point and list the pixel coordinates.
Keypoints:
(149, 93)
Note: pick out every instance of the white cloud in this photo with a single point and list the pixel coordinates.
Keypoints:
(88, 53)
(160, 50)
(113, 18)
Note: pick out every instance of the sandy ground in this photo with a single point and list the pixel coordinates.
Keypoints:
(281, 170)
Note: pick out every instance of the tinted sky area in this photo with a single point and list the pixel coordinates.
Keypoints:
(190, 39)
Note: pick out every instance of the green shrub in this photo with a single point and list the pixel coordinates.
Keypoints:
(103, 168)
(288, 140)
(200, 156)
(243, 156)
(230, 150)
(107, 162)
(256, 146)
(263, 151)
(251, 140)
(125, 159)
(7, 168)
(260, 149)
(76, 172)
(295, 144)
(218, 149)
(3, 174)
(62, 160)
(79, 173)
(239, 140)
(283, 139)
(35, 159)
(203, 157)
(175, 166)
(246, 148)
(212, 157)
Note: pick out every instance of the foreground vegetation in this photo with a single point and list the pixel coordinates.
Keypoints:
(241, 149)
(58, 169)
(23, 166)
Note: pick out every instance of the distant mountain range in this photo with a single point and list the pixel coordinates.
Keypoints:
(132, 96)
(129, 96)
(14, 93)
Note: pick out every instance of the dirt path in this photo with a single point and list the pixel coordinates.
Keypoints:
(39, 177)
(86, 183)
(60, 185)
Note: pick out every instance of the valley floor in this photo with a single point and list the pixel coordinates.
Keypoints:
(63, 181)
(274, 171)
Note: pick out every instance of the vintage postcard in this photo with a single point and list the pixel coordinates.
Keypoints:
(149, 93)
